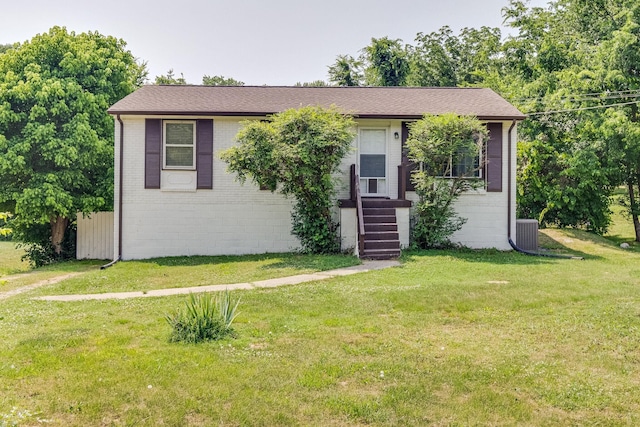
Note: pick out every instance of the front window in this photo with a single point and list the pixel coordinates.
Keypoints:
(462, 164)
(179, 144)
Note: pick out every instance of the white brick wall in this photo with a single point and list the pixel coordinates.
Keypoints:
(229, 219)
(240, 219)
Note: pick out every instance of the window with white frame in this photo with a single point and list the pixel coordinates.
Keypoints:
(463, 164)
(179, 144)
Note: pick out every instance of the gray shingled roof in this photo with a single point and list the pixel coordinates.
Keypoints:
(366, 102)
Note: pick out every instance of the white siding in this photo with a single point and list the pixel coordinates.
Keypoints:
(349, 230)
(95, 236)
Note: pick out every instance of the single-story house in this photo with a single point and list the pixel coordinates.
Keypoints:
(174, 196)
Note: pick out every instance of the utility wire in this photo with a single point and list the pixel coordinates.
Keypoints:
(631, 92)
(539, 113)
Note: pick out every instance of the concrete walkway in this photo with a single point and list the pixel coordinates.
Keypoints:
(270, 283)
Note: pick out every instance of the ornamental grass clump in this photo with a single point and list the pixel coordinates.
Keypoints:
(204, 318)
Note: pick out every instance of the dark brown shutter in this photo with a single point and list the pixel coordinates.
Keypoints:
(204, 153)
(410, 166)
(494, 157)
(152, 153)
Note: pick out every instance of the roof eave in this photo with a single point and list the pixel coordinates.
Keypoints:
(263, 114)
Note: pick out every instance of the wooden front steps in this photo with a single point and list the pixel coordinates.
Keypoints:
(381, 240)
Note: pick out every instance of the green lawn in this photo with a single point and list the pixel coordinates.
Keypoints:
(177, 272)
(450, 338)
(621, 229)
(10, 259)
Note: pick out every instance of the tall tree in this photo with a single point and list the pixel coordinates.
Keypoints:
(577, 60)
(56, 138)
(435, 59)
(346, 71)
(387, 62)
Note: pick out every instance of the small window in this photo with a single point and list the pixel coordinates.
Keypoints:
(179, 144)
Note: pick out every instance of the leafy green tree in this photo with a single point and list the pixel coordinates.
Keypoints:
(434, 59)
(616, 67)
(170, 79)
(220, 81)
(346, 71)
(621, 134)
(295, 153)
(387, 62)
(56, 138)
(579, 60)
(446, 147)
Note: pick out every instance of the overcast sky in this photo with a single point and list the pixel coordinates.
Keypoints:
(273, 42)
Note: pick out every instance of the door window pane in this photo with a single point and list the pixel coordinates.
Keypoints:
(372, 165)
(373, 141)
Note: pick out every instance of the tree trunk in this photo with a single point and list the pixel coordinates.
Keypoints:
(58, 228)
(633, 208)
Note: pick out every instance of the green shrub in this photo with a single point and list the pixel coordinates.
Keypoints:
(447, 148)
(204, 318)
(35, 240)
(434, 219)
(297, 153)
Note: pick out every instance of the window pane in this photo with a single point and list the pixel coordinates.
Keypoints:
(179, 133)
(372, 165)
(180, 156)
(373, 141)
(466, 165)
(382, 186)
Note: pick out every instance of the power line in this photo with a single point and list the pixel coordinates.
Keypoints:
(539, 113)
(592, 95)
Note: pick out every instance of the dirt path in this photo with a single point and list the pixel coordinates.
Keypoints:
(49, 281)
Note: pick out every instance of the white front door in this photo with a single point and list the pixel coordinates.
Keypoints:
(373, 162)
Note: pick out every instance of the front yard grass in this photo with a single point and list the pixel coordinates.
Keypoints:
(10, 259)
(450, 338)
(179, 272)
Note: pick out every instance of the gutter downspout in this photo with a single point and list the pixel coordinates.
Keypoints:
(513, 245)
(120, 174)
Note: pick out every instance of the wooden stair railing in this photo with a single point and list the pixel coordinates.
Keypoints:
(355, 195)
